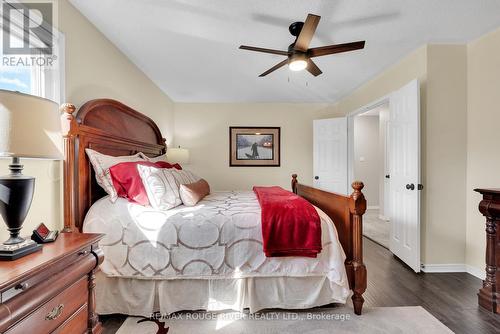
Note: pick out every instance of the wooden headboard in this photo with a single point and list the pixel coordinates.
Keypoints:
(106, 126)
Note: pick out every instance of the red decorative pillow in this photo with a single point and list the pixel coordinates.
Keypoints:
(128, 182)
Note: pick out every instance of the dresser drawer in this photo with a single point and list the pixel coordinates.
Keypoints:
(76, 324)
(44, 275)
(55, 312)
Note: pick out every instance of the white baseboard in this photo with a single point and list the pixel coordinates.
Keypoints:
(453, 268)
(444, 268)
(474, 271)
(372, 207)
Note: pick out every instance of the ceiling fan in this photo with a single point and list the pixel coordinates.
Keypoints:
(299, 55)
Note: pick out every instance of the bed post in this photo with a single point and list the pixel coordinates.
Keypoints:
(357, 207)
(69, 129)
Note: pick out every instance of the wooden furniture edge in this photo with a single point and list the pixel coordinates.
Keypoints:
(489, 294)
(95, 238)
(346, 213)
(13, 310)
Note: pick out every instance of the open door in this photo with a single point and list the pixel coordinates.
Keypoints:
(404, 167)
(330, 154)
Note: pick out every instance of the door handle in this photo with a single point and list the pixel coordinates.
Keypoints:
(316, 177)
(410, 186)
(387, 176)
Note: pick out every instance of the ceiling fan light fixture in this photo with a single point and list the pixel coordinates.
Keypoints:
(299, 54)
(297, 65)
(297, 62)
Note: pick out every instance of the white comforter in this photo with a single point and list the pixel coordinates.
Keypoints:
(218, 238)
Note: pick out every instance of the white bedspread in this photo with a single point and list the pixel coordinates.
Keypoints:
(218, 238)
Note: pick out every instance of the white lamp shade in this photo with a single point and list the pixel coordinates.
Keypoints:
(30, 127)
(178, 155)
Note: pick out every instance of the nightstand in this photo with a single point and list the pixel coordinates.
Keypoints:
(52, 291)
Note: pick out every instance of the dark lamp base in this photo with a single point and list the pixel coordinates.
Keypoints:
(14, 252)
(16, 193)
(13, 240)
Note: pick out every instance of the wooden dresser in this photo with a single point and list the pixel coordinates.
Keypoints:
(489, 294)
(52, 291)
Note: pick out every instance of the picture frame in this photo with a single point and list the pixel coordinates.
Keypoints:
(253, 146)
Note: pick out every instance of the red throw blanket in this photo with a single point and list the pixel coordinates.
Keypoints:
(290, 224)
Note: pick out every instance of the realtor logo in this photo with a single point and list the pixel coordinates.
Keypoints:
(31, 24)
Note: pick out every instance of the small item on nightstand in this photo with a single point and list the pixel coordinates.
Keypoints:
(43, 235)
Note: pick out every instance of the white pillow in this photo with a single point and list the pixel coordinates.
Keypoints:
(161, 186)
(102, 163)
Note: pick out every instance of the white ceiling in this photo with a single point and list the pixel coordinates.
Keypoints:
(189, 48)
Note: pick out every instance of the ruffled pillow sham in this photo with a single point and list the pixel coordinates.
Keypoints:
(102, 163)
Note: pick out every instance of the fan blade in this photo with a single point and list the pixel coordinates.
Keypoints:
(274, 68)
(338, 48)
(313, 68)
(253, 48)
(307, 32)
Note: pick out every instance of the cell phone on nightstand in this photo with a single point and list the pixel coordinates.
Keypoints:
(43, 235)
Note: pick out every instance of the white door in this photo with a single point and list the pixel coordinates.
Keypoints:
(404, 166)
(330, 154)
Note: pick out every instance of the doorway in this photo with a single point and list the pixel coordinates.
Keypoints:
(401, 172)
(371, 166)
(401, 184)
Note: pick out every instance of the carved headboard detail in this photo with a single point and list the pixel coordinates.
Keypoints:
(106, 126)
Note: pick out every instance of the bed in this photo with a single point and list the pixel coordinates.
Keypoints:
(213, 263)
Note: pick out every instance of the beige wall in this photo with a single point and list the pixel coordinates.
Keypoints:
(204, 129)
(441, 69)
(483, 136)
(366, 148)
(95, 68)
(445, 154)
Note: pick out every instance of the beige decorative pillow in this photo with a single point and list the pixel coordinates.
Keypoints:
(161, 186)
(184, 176)
(192, 193)
(102, 163)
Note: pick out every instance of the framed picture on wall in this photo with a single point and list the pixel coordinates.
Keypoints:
(254, 146)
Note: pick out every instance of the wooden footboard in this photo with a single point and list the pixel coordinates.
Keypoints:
(346, 213)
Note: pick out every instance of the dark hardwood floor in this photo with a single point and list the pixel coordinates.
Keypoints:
(450, 297)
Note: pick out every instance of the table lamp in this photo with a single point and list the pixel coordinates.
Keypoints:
(178, 155)
(29, 128)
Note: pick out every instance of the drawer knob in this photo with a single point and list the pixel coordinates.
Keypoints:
(55, 313)
(22, 286)
(83, 252)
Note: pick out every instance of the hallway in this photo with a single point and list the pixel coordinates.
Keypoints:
(376, 229)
